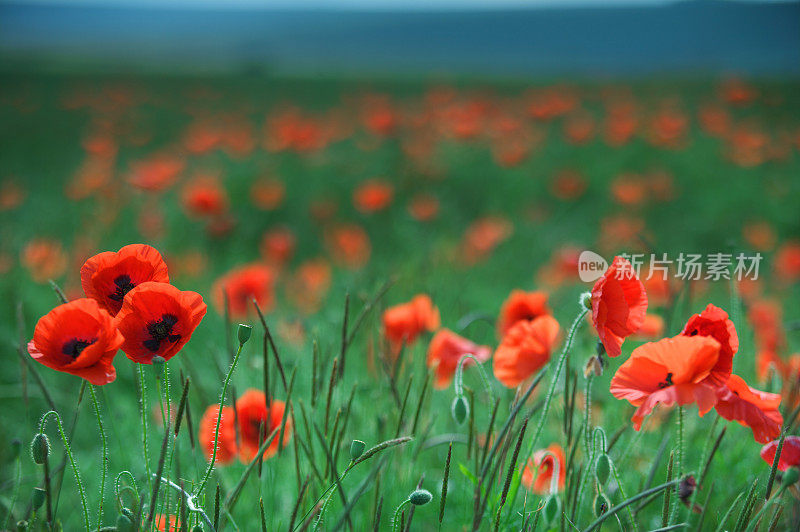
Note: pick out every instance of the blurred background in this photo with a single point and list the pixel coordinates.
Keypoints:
(512, 38)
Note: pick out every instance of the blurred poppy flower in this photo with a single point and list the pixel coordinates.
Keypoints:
(525, 349)
(157, 319)
(760, 235)
(446, 349)
(242, 285)
(521, 305)
(423, 207)
(373, 195)
(714, 322)
(11, 195)
(78, 338)
(483, 236)
(652, 328)
(787, 262)
(538, 474)
(108, 276)
(672, 370)
(349, 246)
(309, 284)
(619, 305)
(629, 190)
(568, 185)
(157, 173)
(766, 361)
(277, 245)
(766, 319)
(403, 323)
(226, 442)
(268, 194)
(790, 452)
(256, 423)
(44, 259)
(204, 196)
(166, 523)
(736, 401)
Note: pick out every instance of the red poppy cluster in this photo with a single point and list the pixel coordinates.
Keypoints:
(129, 304)
(244, 428)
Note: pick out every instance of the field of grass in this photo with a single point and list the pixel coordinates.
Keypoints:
(472, 190)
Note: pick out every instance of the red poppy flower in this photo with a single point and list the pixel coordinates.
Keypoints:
(619, 305)
(525, 349)
(736, 401)
(167, 523)
(108, 276)
(277, 245)
(78, 338)
(521, 305)
(157, 319)
(483, 236)
(204, 196)
(256, 422)
(538, 474)
(790, 452)
(669, 371)
(349, 246)
(242, 285)
(403, 323)
(446, 349)
(226, 442)
(373, 195)
(714, 322)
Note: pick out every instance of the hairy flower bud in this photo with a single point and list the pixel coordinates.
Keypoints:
(40, 448)
(602, 469)
(37, 498)
(601, 504)
(460, 409)
(244, 333)
(356, 449)
(420, 497)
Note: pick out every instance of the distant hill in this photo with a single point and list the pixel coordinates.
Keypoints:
(685, 37)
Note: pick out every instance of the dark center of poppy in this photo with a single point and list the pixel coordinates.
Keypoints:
(667, 382)
(76, 346)
(161, 331)
(693, 333)
(124, 285)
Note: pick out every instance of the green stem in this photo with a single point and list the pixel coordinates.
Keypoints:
(459, 379)
(143, 400)
(105, 455)
(397, 514)
(71, 461)
(587, 440)
(678, 466)
(219, 419)
(550, 391)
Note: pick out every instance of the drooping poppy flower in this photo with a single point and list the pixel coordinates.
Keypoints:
(226, 441)
(108, 276)
(521, 305)
(242, 285)
(790, 452)
(736, 401)
(403, 323)
(373, 195)
(714, 322)
(525, 349)
(78, 338)
(619, 305)
(256, 422)
(446, 349)
(538, 474)
(672, 370)
(157, 319)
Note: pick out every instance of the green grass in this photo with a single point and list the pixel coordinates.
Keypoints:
(40, 148)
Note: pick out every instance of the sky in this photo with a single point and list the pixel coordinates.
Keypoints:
(359, 4)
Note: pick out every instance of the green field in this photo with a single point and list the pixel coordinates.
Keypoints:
(663, 166)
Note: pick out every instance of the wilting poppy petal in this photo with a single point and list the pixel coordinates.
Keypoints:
(736, 401)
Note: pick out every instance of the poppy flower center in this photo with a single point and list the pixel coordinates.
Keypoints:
(124, 285)
(76, 346)
(161, 331)
(667, 382)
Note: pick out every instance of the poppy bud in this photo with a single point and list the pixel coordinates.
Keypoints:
(197, 528)
(586, 300)
(602, 469)
(37, 498)
(124, 523)
(244, 333)
(40, 448)
(552, 508)
(460, 409)
(158, 366)
(601, 505)
(790, 477)
(356, 449)
(420, 497)
(593, 367)
(22, 525)
(16, 447)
